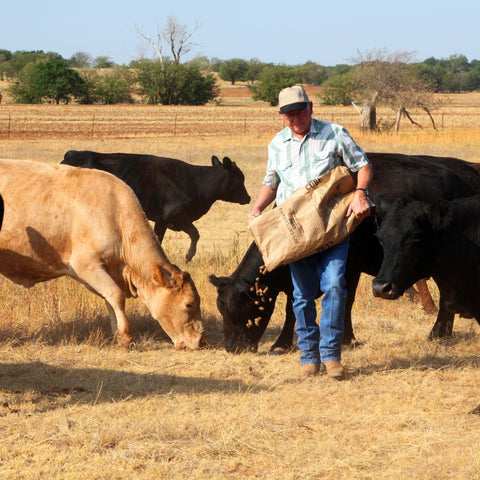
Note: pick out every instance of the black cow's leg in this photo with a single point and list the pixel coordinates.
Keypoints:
(443, 326)
(160, 229)
(192, 232)
(352, 278)
(284, 341)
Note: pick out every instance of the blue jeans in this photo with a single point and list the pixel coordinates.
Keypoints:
(323, 271)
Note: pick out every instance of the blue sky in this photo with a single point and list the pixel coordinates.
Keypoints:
(328, 33)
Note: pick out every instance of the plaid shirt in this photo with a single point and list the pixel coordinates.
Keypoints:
(292, 163)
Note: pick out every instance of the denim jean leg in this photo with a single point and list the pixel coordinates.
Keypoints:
(332, 283)
(305, 289)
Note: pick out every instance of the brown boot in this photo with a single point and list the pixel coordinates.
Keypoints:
(334, 370)
(310, 370)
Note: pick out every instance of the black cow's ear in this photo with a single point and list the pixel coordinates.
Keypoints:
(381, 205)
(218, 281)
(216, 162)
(440, 214)
(227, 163)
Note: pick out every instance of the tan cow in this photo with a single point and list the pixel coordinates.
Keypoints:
(87, 224)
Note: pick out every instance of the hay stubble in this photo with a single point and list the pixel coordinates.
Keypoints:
(73, 406)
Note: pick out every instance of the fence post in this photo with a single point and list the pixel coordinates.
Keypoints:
(93, 126)
(175, 126)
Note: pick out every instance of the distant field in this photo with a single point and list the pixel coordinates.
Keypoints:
(234, 113)
(72, 406)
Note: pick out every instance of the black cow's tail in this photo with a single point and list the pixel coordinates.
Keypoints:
(2, 210)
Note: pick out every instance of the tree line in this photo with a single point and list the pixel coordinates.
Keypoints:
(371, 79)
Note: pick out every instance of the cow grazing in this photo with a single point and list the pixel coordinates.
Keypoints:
(172, 193)
(246, 300)
(88, 225)
(424, 177)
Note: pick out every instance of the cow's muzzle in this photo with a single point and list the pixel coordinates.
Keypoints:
(196, 344)
(384, 289)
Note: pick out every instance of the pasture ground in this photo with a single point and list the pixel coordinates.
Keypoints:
(73, 406)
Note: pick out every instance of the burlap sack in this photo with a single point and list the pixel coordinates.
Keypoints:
(311, 220)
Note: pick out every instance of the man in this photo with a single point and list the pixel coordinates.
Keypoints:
(306, 149)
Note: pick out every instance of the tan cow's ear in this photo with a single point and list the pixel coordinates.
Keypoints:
(128, 280)
(160, 275)
(180, 278)
(173, 280)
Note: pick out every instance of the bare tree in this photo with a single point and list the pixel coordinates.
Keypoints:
(155, 42)
(174, 36)
(415, 94)
(388, 79)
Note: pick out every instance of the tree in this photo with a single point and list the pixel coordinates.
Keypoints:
(452, 74)
(5, 57)
(312, 73)
(272, 80)
(110, 88)
(173, 34)
(340, 89)
(20, 59)
(103, 62)
(202, 63)
(254, 70)
(389, 79)
(215, 62)
(171, 83)
(51, 80)
(80, 60)
(233, 70)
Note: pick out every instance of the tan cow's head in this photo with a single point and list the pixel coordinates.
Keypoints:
(173, 301)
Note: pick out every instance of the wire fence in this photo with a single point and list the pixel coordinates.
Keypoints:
(143, 121)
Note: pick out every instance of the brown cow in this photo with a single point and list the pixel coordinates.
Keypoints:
(87, 224)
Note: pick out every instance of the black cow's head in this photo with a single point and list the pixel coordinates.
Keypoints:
(232, 188)
(246, 310)
(406, 235)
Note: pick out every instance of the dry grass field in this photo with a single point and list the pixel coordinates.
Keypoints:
(74, 406)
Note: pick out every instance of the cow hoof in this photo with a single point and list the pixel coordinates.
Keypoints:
(125, 342)
(278, 350)
(430, 310)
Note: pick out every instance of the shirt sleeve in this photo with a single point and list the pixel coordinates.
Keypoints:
(353, 156)
(271, 179)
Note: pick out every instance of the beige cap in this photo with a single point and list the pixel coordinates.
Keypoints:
(292, 98)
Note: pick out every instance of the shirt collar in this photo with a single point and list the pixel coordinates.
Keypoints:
(287, 134)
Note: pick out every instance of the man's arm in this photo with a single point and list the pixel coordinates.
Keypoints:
(360, 205)
(265, 197)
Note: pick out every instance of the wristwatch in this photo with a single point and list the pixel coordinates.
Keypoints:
(363, 190)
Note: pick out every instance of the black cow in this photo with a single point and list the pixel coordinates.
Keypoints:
(172, 193)
(423, 177)
(2, 210)
(441, 240)
(246, 300)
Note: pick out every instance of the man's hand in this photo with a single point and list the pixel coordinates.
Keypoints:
(253, 214)
(360, 206)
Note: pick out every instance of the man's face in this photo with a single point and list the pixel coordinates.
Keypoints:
(299, 121)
